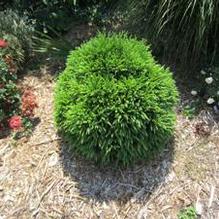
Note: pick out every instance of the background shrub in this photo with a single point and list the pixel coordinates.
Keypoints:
(18, 31)
(16, 111)
(187, 31)
(58, 15)
(9, 95)
(114, 102)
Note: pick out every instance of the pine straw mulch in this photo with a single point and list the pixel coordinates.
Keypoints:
(39, 179)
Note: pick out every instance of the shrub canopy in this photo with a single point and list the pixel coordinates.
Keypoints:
(114, 102)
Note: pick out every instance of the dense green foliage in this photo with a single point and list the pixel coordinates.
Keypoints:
(58, 15)
(188, 213)
(9, 95)
(185, 32)
(18, 31)
(188, 30)
(114, 102)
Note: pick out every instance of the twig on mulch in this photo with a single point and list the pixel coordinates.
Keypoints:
(211, 196)
(46, 192)
(47, 142)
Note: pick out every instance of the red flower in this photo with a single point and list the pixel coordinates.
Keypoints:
(3, 43)
(28, 103)
(15, 122)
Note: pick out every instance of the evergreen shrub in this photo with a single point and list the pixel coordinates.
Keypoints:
(114, 102)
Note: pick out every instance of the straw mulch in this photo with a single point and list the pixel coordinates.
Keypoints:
(40, 179)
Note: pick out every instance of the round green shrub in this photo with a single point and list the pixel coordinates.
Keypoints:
(114, 102)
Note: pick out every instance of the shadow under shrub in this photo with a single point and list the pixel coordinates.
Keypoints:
(114, 102)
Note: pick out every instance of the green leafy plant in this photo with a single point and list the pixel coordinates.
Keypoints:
(15, 50)
(187, 30)
(56, 46)
(26, 131)
(187, 213)
(114, 102)
(192, 108)
(60, 14)
(206, 91)
(16, 111)
(18, 31)
(9, 94)
(56, 14)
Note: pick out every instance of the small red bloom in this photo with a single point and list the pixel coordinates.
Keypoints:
(3, 43)
(15, 122)
(28, 103)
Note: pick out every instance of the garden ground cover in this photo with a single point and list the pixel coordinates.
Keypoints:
(38, 178)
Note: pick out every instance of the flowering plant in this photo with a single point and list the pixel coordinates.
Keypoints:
(17, 31)
(3, 43)
(5, 53)
(15, 122)
(28, 103)
(14, 110)
(209, 89)
(9, 94)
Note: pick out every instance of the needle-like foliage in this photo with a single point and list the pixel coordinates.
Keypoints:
(114, 102)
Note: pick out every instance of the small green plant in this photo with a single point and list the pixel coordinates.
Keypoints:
(15, 110)
(25, 131)
(114, 102)
(18, 31)
(206, 91)
(9, 94)
(15, 50)
(56, 46)
(187, 213)
(191, 109)
(55, 14)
